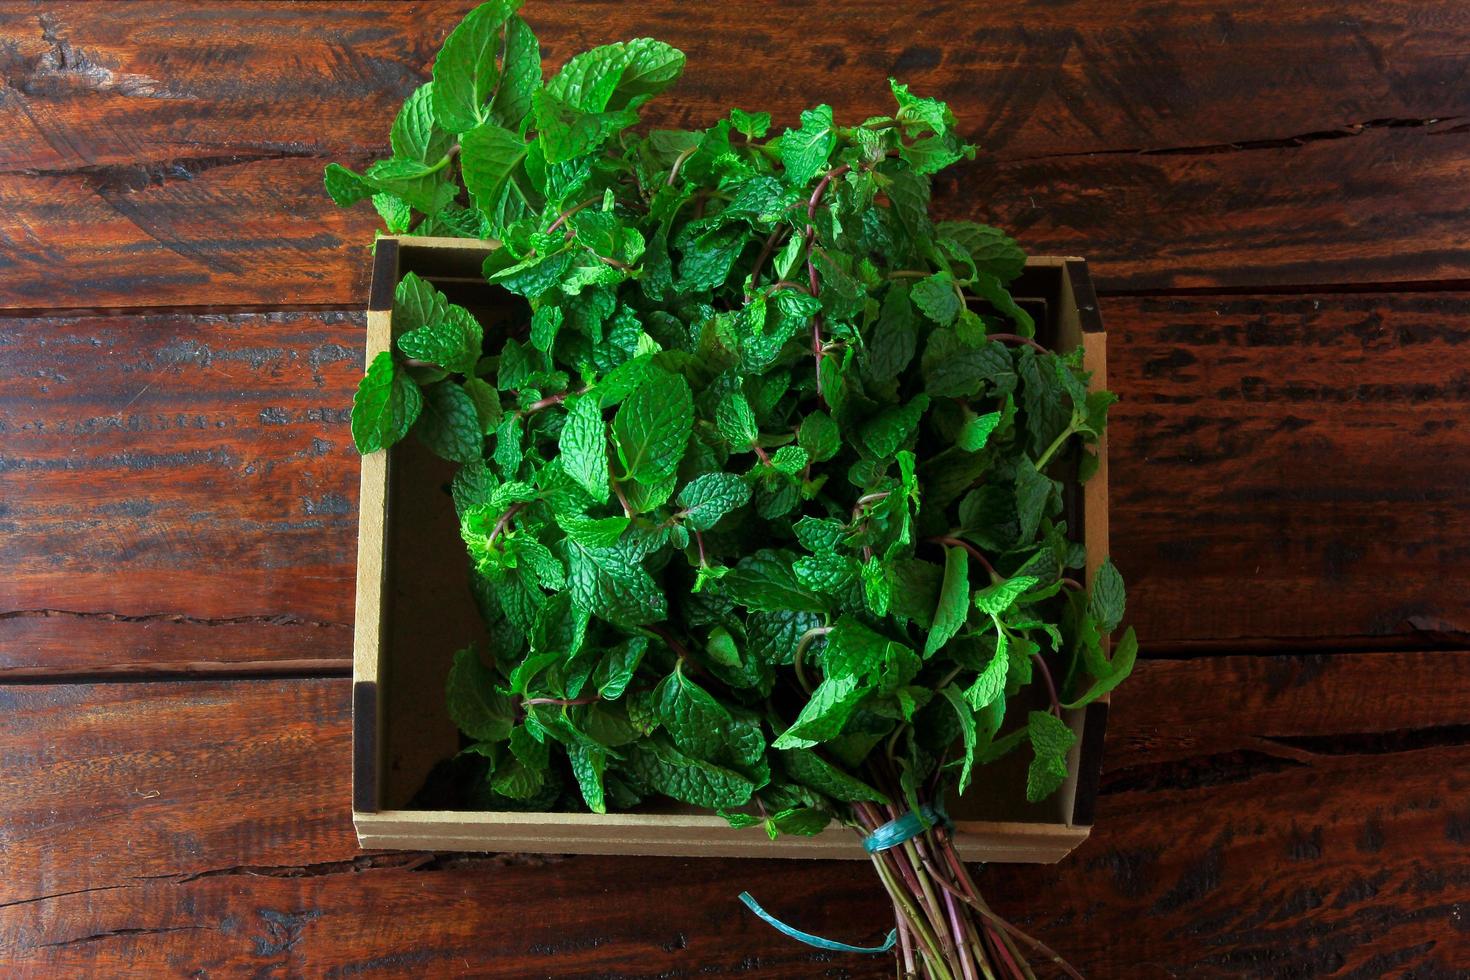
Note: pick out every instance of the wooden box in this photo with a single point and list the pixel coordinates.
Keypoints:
(410, 561)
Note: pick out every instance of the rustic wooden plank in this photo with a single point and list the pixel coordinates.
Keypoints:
(1292, 468)
(140, 165)
(102, 85)
(1308, 819)
(179, 489)
(1285, 469)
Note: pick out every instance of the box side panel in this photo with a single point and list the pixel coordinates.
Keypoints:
(691, 836)
(367, 713)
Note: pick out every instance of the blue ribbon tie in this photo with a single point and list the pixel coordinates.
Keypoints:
(905, 828)
(816, 941)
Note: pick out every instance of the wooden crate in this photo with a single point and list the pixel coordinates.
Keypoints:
(410, 560)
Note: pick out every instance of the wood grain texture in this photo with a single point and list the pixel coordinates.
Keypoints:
(1288, 469)
(177, 490)
(1316, 821)
(140, 159)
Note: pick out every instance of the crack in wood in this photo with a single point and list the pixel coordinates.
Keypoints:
(1376, 743)
(1274, 143)
(113, 933)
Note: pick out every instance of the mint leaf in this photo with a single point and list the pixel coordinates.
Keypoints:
(708, 498)
(610, 583)
(520, 75)
(990, 683)
(975, 433)
(692, 717)
(476, 705)
(954, 369)
(954, 601)
(966, 718)
(583, 446)
(452, 340)
(465, 71)
(651, 428)
(1051, 740)
(997, 598)
(414, 135)
(992, 250)
(736, 421)
(489, 156)
(1118, 670)
(1107, 602)
(936, 298)
(588, 765)
(450, 424)
(345, 187)
(386, 405)
(667, 770)
(804, 152)
(812, 771)
(921, 113)
(824, 714)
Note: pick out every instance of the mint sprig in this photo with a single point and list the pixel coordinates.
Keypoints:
(763, 495)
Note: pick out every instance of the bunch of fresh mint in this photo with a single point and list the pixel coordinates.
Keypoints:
(763, 494)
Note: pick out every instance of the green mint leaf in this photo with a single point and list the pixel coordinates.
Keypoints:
(753, 125)
(954, 369)
(520, 75)
(1107, 602)
(819, 436)
(651, 428)
(465, 70)
(801, 821)
(990, 684)
(935, 296)
(966, 717)
(452, 341)
(597, 93)
(692, 717)
(386, 405)
(919, 113)
(1119, 668)
(476, 705)
(991, 250)
(824, 713)
(588, 765)
(789, 459)
(708, 498)
(583, 445)
(488, 157)
(736, 421)
(345, 187)
(611, 584)
(450, 424)
(819, 535)
(764, 582)
(804, 152)
(954, 601)
(617, 667)
(416, 304)
(1051, 740)
(414, 135)
(814, 772)
(665, 769)
(1034, 491)
(487, 404)
(997, 598)
(396, 213)
(975, 433)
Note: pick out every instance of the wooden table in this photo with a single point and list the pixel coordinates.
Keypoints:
(1276, 203)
